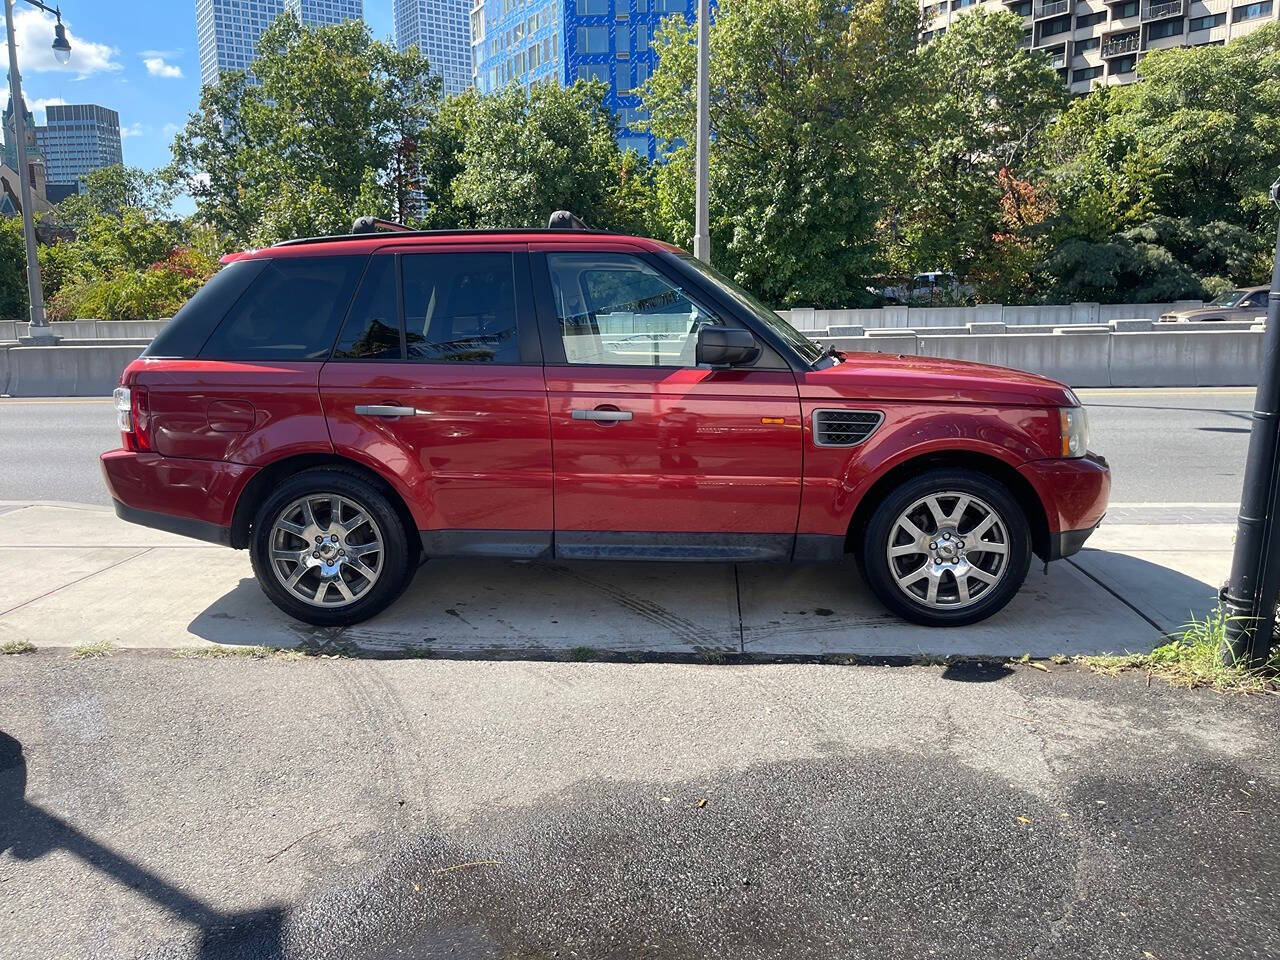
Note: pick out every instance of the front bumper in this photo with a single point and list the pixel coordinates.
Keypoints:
(1065, 543)
(194, 498)
(1074, 493)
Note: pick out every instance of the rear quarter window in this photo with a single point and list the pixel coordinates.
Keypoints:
(291, 311)
(186, 333)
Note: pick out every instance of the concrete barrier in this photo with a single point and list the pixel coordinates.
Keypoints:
(66, 371)
(1054, 315)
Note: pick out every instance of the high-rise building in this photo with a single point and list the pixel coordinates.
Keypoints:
(77, 139)
(441, 31)
(564, 40)
(1094, 42)
(227, 31)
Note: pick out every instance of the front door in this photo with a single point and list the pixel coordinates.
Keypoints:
(436, 383)
(655, 457)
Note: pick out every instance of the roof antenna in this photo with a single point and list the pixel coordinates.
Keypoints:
(564, 220)
(377, 225)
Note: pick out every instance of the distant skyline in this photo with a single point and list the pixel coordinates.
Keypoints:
(142, 62)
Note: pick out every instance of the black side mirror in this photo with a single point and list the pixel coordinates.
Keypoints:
(726, 347)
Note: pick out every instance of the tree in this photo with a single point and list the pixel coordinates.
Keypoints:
(525, 153)
(803, 94)
(330, 128)
(979, 103)
(111, 190)
(14, 304)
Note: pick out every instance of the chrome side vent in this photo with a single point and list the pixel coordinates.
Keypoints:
(844, 428)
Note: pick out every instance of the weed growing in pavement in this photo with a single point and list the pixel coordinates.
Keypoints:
(89, 651)
(583, 654)
(1194, 660)
(217, 651)
(17, 646)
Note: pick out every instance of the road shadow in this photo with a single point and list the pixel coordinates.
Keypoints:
(29, 832)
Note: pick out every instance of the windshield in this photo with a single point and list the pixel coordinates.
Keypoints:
(1228, 299)
(798, 342)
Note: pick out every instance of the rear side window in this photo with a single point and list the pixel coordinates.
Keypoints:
(372, 330)
(460, 307)
(291, 311)
(185, 334)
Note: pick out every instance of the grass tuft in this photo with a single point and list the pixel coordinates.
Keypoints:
(17, 646)
(218, 651)
(90, 651)
(1195, 660)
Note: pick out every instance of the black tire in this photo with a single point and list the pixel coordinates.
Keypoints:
(986, 599)
(398, 557)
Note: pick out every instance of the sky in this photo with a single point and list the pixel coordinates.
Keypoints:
(137, 57)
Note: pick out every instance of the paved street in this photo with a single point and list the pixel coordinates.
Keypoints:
(1165, 445)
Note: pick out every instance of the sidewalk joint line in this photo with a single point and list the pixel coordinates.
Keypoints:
(5, 613)
(1159, 629)
(737, 592)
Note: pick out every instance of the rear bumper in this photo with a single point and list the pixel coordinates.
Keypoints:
(194, 498)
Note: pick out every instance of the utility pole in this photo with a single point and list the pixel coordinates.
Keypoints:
(1249, 597)
(701, 231)
(39, 332)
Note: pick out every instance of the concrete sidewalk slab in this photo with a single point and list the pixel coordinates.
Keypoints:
(100, 579)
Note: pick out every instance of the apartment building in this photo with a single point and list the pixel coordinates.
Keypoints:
(1093, 42)
(227, 31)
(77, 139)
(440, 30)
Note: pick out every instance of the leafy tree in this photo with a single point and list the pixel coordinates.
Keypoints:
(111, 190)
(979, 103)
(124, 294)
(332, 123)
(526, 153)
(13, 270)
(803, 93)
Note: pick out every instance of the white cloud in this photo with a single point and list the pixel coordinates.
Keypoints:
(170, 129)
(37, 106)
(132, 130)
(34, 30)
(157, 67)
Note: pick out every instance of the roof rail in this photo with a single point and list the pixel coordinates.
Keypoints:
(364, 225)
(564, 220)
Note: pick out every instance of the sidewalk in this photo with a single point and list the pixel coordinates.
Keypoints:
(74, 574)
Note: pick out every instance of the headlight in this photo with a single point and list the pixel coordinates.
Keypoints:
(1075, 431)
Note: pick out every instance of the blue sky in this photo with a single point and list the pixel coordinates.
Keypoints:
(138, 57)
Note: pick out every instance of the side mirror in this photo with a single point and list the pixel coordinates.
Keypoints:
(726, 347)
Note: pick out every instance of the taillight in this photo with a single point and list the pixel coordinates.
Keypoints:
(133, 417)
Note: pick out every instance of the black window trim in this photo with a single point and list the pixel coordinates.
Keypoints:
(527, 338)
(670, 269)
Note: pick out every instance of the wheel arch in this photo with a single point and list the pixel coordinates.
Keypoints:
(1018, 485)
(262, 482)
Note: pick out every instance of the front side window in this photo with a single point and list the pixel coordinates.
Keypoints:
(460, 308)
(291, 311)
(615, 309)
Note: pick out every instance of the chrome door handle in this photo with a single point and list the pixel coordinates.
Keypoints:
(383, 410)
(603, 416)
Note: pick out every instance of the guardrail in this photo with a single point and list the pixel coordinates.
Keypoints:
(1059, 315)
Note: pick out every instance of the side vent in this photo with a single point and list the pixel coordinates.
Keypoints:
(844, 428)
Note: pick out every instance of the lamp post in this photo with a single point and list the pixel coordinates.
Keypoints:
(701, 232)
(39, 332)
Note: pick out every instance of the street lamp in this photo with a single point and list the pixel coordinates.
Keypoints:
(701, 230)
(39, 331)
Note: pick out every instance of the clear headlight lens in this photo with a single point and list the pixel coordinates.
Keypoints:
(1075, 431)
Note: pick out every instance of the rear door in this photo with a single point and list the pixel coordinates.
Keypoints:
(656, 458)
(436, 383)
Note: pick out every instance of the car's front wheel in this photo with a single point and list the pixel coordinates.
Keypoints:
(949, 547)
(328, 548)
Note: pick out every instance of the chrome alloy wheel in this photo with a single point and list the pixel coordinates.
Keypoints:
(948, 550)
(326, 550)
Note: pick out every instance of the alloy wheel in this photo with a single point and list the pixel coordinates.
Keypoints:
(326, 550)
(948, 550)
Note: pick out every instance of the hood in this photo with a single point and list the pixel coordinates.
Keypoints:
(884, 376)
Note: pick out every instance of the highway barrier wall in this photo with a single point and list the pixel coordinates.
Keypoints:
(1054, 315)
(1126, 352)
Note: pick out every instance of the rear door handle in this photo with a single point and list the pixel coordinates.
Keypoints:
(383, 410)
(603, 416)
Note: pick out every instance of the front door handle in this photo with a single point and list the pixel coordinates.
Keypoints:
(383, 410)
(602, 416)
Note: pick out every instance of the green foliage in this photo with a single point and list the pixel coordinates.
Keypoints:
(13, 270)
(523, 153)
(802, 93)
(135, 294)
(332, 124)
(111, 191)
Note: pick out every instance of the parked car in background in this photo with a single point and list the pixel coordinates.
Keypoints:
(345, 407)
(932, 287)
(1247, 303)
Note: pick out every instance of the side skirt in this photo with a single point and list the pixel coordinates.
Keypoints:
(626, 545)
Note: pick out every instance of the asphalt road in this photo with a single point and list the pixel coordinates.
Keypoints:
(1165, 446)
(179, 808)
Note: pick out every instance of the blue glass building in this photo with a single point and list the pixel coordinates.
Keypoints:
(526, 41)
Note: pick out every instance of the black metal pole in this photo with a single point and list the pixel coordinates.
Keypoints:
(1249, 597)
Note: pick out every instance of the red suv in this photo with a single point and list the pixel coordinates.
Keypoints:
(344, 407)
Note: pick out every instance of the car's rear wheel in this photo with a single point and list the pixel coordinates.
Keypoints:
(947, 548)
(328, 548)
